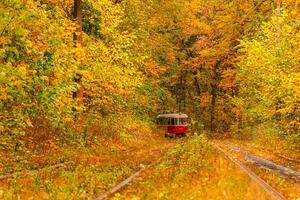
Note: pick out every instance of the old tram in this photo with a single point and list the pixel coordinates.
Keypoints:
(173, 124)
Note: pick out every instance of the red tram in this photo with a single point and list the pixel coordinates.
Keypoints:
(173, 124)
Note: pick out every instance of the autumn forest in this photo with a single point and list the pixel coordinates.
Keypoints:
(82, 82)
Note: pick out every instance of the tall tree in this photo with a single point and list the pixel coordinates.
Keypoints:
(78, 20)
(78, 43)
(269, 76)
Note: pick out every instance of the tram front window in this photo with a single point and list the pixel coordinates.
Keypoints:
(179, 121)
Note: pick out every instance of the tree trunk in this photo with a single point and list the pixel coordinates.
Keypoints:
(184, 93)
(214, 88)
(213, 108)
(197, 86)
(78, 20)
(278, 16)
(196, 83)
(77, 37)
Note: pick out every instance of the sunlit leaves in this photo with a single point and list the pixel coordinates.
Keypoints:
(32, 43)
(268, 72)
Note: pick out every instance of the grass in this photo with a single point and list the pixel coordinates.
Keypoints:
(185, 168)
(266, 143)
(92, 170)
(75, 182)
(193, 170)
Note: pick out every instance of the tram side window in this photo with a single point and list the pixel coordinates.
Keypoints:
(166, 121)
(183, 121)
(158, 121)
(174, 121)
(163, 121)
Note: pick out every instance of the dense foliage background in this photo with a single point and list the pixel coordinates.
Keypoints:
(230, 65)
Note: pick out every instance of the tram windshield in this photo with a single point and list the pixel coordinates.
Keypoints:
(172, 121)
(178, 121)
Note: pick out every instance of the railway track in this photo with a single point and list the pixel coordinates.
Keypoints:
(122, 184)
(128, 180)
(268, 188)
(32, 172)
(222, 148)
(50, 167)
(283, 170)
(269, 151)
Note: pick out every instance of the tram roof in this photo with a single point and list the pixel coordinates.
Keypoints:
(172, 115)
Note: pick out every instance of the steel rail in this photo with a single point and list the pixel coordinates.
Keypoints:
(241, 149)
(32, 172)
(128, 180)
(287, 158)
(35, 171)
(269, 189)
(267, 164)
(122, 184)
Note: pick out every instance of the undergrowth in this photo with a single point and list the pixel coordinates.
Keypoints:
(192, 170)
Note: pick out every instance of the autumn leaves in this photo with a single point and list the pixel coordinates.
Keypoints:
(223, 62)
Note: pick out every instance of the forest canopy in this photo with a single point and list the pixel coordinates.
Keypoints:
(230, 65)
